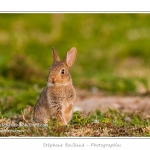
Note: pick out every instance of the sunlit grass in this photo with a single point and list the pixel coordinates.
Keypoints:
(109, 46)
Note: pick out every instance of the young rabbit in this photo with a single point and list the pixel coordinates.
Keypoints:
(58, 97)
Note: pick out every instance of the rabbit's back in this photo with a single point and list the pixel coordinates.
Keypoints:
(41, 108)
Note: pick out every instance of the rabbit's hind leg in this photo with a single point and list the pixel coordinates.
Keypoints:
(40, 116)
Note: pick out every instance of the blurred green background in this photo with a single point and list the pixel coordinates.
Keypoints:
(113, 54)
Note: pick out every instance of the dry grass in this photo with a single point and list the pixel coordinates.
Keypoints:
(109, 124)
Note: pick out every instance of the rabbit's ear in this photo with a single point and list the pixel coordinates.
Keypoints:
(55, 55)
(70, 56)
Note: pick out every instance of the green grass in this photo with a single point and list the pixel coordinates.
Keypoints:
(112, 55)
(111, 47)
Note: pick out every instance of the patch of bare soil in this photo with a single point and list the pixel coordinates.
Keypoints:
(87, 102)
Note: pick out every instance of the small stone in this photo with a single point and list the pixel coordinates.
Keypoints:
(94, 90)
(96, 121)
(127, 119)
(76, 108)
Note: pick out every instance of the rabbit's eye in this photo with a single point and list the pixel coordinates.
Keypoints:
(62, 71)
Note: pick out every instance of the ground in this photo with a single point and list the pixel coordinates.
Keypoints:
(91, 101)
(95, 114)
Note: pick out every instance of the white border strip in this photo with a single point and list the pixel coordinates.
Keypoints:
(75, 143)
(74, 5)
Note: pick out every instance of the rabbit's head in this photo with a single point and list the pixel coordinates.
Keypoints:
(59, 71)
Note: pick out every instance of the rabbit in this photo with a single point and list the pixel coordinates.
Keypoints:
(57, 100)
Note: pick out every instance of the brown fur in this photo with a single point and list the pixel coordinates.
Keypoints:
(58, 98)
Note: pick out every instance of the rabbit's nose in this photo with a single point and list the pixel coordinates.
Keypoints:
(53, 80)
